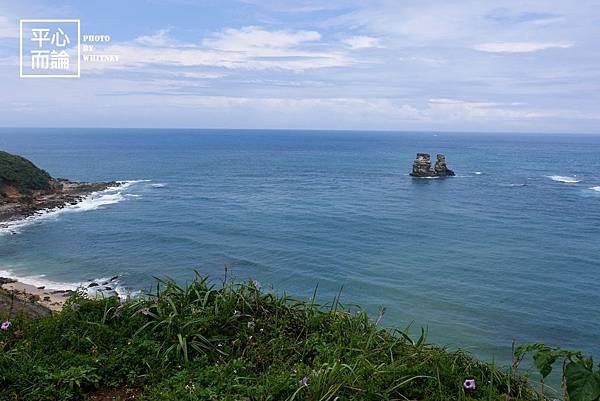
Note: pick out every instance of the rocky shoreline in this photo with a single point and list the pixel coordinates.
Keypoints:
(19, 297)
(62, 193)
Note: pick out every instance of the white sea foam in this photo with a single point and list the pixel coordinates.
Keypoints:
(106, 286)
(159, 185)
(477, 173)
(597, 189)
(39, 281)
(126, 184)
(94, 201)
(513, 185)
(563, 178)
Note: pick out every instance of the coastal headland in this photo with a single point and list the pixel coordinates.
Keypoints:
(26, 190)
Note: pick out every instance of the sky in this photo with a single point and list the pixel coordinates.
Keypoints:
(480, 66)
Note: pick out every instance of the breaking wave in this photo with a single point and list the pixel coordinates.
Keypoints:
(100, 287)
(94, 201)
(513, 185)
(563, 178)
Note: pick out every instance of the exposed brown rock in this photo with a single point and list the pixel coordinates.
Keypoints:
(18, 205)
(422, 166)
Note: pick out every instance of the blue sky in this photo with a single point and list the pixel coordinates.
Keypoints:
(515, 66)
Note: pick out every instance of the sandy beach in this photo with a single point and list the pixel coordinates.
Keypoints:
(37, 300)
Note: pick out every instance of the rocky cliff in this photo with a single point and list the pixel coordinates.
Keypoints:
(26, 189)
(422, 166)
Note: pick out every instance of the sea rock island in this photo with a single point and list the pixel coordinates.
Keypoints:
(422, 166)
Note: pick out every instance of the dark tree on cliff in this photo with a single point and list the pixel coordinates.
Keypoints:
(22, 174)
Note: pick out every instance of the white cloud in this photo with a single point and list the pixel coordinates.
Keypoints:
(249, 48)
(252, 38)
(197, 75)
(350, 106)
(456, 109)
(416, 23)
(306, 6)
(520, 47)
(9, 60)
(160, 38)
(132, 55)
(9, 29)
(361, 42)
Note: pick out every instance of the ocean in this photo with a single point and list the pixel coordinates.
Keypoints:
(508, 249)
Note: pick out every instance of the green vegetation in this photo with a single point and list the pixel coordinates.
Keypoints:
(580, 378)
(233, 342)
(22, 174)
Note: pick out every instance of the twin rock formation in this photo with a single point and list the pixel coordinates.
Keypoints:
(422, 166)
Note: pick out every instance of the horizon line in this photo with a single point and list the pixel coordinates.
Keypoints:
(399, 131)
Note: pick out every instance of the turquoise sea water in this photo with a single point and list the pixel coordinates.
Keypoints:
(509, 248)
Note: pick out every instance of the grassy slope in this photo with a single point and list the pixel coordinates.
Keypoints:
(233, 343)
(21, 173)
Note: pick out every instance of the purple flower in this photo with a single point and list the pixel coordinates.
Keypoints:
(257, 284)
(5, 325)
(303, 382)
(146, 311)
(469, 384)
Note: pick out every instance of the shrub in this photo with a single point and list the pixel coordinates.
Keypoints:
(234, 342)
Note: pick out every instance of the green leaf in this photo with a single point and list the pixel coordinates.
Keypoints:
(582, 383)
(544, 360)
